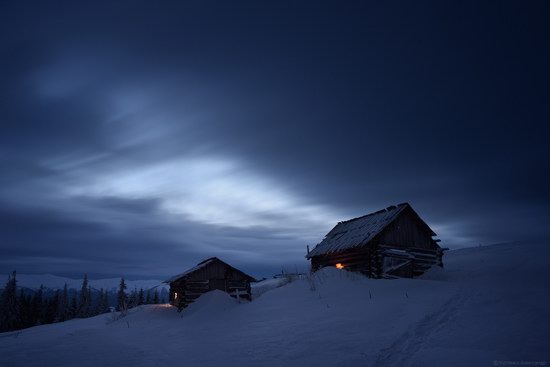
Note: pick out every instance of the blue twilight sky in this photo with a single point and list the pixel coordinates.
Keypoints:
(139, 137)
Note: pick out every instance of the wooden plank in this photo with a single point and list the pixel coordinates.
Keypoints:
(195, 293)
(409, 248)
(191, 286)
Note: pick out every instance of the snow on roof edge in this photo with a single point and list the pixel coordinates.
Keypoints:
(374, 222)
(201, 265)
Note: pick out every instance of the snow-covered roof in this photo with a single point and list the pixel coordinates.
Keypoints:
(356, 232)
(201, 265)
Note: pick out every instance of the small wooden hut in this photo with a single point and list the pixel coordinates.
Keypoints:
(392, 242)
(206, 276)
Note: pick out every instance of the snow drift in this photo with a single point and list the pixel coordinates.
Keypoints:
(488, 306)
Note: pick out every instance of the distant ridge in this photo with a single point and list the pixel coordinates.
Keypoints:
(54, 282)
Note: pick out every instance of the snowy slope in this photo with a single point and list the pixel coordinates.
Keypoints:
(490, 304)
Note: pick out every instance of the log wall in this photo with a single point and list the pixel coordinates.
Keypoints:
(216, 275)
(407, 230)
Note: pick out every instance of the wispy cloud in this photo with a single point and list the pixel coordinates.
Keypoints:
(209, 190)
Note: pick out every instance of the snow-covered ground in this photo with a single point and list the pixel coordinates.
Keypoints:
(490, 306)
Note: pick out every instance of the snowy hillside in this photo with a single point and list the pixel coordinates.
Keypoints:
(488, 307)
(53, 282)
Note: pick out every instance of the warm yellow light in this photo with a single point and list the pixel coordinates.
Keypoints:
(340, 266)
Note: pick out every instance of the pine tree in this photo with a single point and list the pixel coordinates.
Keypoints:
(37, 307)
(98, 306)
(106, 301)
(9, 305)
(24, 311)
(148, 299)
(90, 301)
(141, 300)
(52, 305)
(73, 308)
(63, 305)
(156, 297)
(102, 302)
(122, 298)
(133, 299)
(85, 301)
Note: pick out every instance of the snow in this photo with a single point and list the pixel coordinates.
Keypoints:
(199, 266)
(356, 232)
(266, 285)
(202, 265)
(488, 304)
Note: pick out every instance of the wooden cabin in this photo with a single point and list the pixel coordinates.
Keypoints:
(206, 276)
(393, 242)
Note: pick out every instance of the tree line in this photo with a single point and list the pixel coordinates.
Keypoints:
(19, 310)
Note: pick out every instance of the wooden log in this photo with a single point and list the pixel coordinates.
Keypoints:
(416, 249)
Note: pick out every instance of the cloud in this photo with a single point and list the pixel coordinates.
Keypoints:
(137, 135)
(105, 236)
(209, 190)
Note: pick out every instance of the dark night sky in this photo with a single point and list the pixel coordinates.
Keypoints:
(139, 137)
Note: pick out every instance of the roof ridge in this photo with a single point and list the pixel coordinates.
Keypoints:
(391, 207)
(201, 265)
(359, 231)
(205, 260)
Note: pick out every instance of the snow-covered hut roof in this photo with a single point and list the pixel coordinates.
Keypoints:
(202, 265)
(357, 232)
(199, 266)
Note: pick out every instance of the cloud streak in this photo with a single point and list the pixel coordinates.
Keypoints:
(139, 139)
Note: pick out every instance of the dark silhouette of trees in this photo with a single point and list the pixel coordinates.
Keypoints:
(141, 300)
(122, 298)
(9, 305)
(37, 303)
(102, 305)
(50, 306)
(73, 308)
(27, 307)
(63, 306)
(85, 299)
(25, 314)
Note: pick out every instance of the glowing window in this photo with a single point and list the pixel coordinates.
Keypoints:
(340, 266)
(175, 295)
